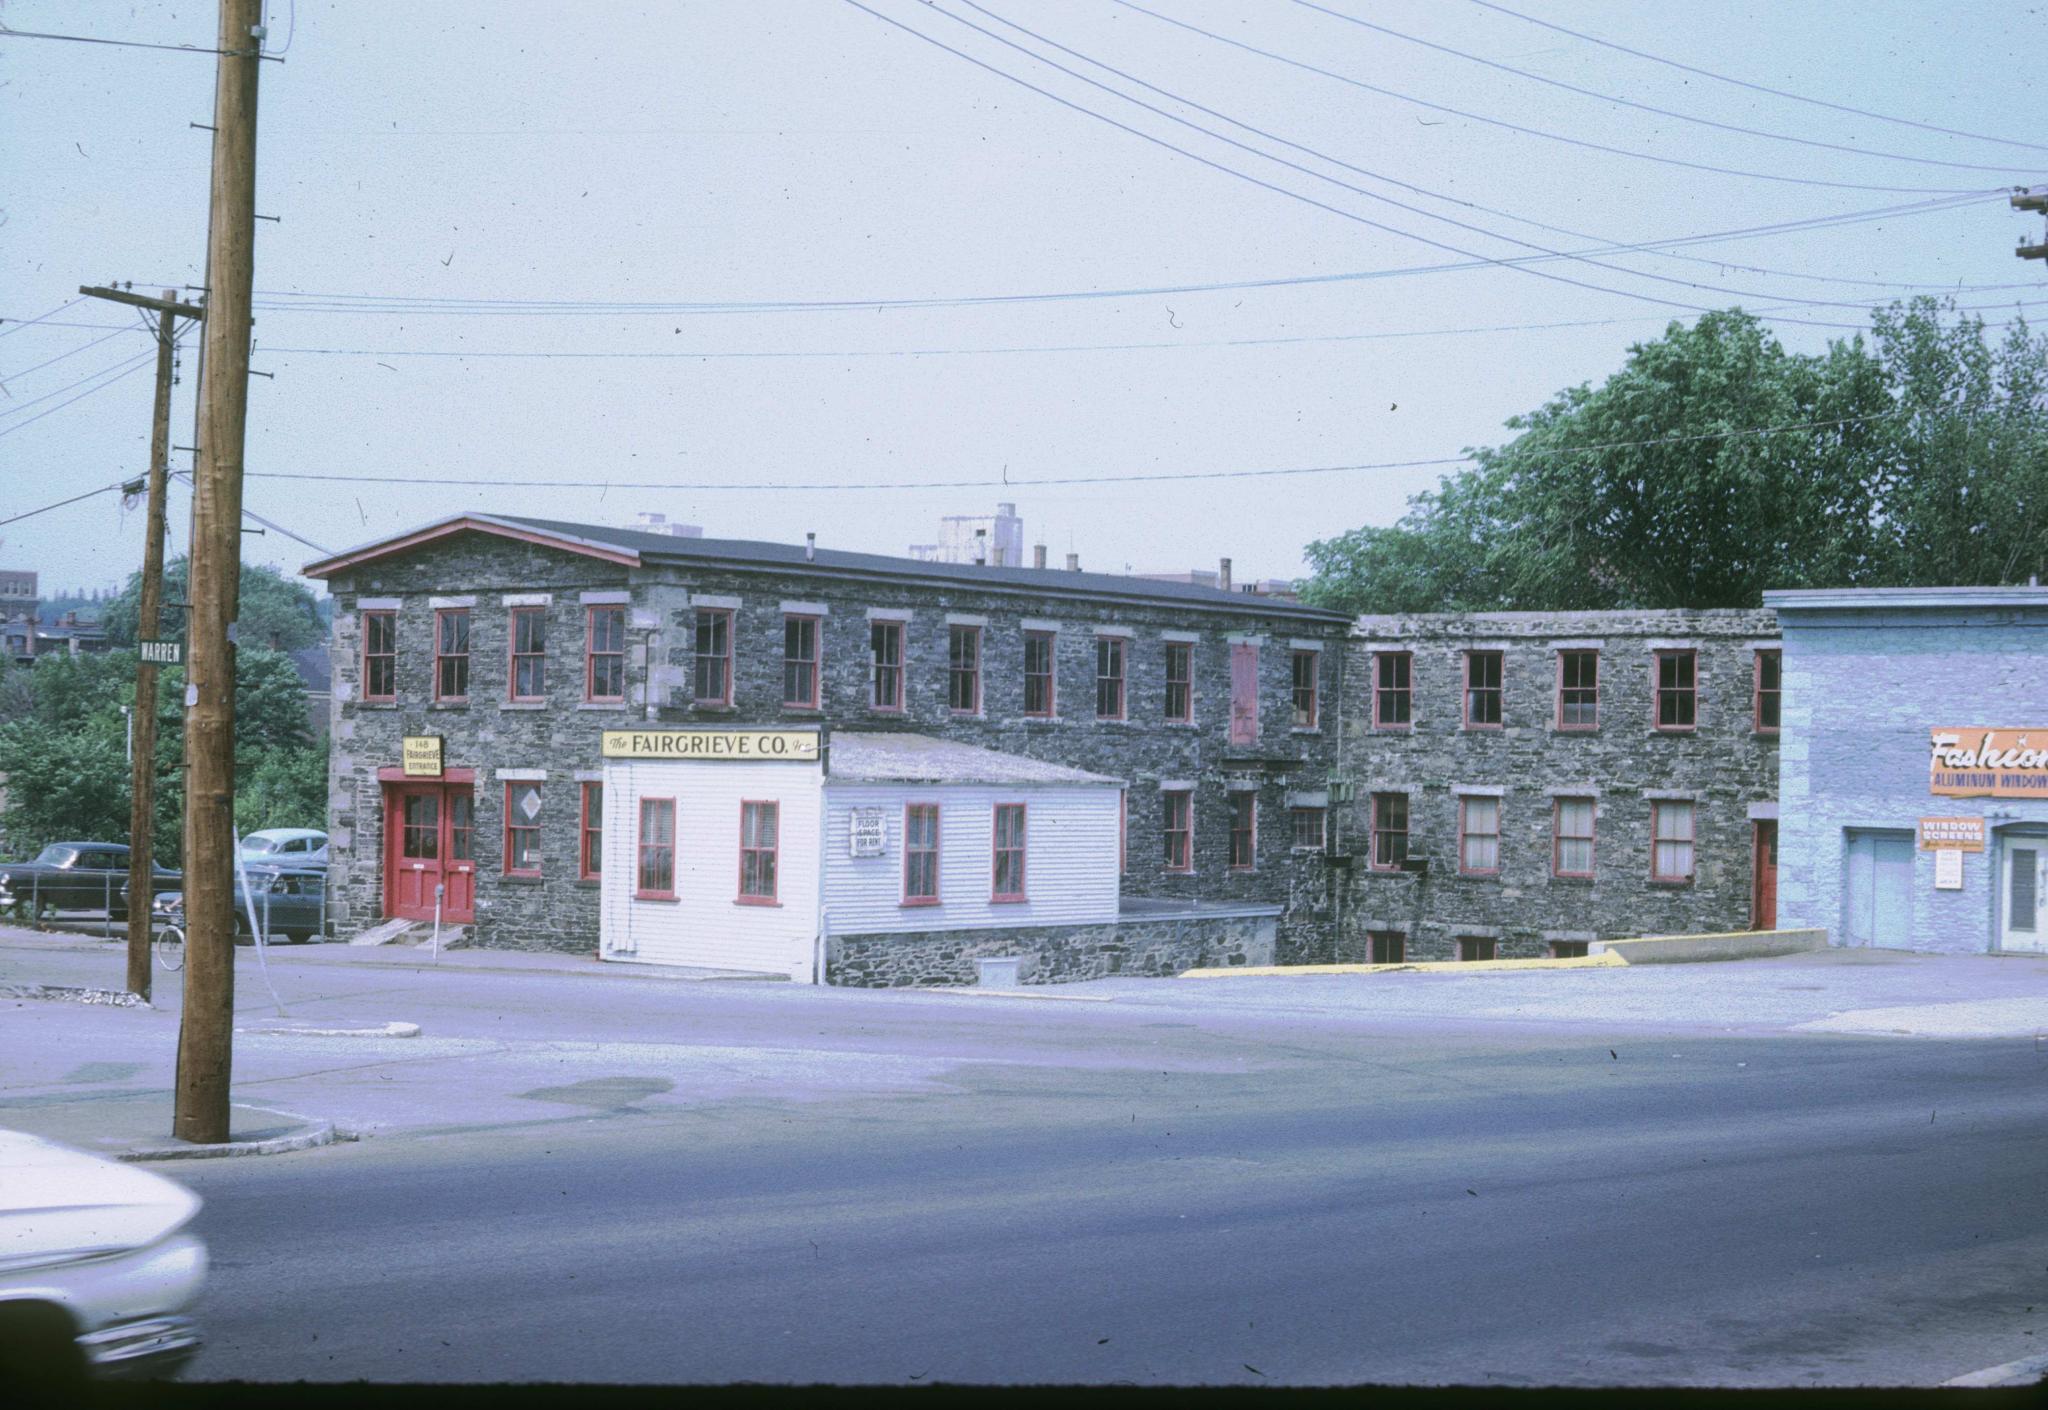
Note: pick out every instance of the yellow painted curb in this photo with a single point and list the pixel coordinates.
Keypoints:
(1605, 960)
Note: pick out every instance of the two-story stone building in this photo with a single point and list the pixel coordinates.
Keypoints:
(490, 672)
(1524, 783)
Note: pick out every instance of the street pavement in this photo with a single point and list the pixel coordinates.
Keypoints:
(1777, 1172)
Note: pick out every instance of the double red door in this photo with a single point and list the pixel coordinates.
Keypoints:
(1763, 901)
(429, 841)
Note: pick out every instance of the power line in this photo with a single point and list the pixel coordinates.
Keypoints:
(1532, 131)
(122, 368)
(1755, 87)
(32, 513)
(1650, 108)
(20, 324)
(6, 33)
(82, 347)
(271, 524)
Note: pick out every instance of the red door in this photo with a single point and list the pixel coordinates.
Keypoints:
(1244, 692)
(1764, 901)
(429, 841)
(458, 872)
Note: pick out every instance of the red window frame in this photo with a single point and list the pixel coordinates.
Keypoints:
(1760, 693)
(1111, 651)
(1046, 679)
(1321, 834)
(535, 654)
(1497, 691)
(1308, 716)
(1689, 693)
(387, 658)
(457, 659)
(514, 828)
(1465, 835)
(1690, 839)
(589, 834)
(608, 648)
(958, 674)
(1589, 693)
(711, 616)
(1179, 858)
(1558, 836)
(1244, 830)
(998, 852)
(1180, 676)
(1385, 695)
(772, 811)
(889, 673)
(1381, 858)
(910, 852)
(805, 672)
(656, 848)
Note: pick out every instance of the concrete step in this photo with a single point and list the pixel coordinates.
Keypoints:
(384, 934)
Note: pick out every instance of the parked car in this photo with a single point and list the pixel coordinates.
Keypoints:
(286, 846)
(290, 903)
(75, 876)
(95, 1270)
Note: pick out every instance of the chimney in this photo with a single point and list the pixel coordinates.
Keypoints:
(1038, 555)
(981, 546)
(811, 547)
(1223, 575)
(1073, 562)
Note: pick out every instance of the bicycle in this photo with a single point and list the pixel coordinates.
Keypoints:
(170, 948)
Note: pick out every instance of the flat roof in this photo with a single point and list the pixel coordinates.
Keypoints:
(1897, 598)
(858, 756)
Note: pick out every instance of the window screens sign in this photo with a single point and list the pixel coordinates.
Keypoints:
(1988, 763)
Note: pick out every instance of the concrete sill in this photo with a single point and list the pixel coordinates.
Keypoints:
(522, 705)
(698, 708)
(448, 705)
(588, 884)
(375, 704)
(614, 706)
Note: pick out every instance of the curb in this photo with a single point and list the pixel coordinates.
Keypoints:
(76, 994)
(2024, 1372)
(317, 1133)
(382, 1030)
(1603, 961)
(1016, 994)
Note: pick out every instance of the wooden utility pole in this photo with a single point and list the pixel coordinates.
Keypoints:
(2034, 199)
(142, 770)
(206, 1030)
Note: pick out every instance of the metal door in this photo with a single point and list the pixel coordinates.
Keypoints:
(2022, 878)
(1880, 889)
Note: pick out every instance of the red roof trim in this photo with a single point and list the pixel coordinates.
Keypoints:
(395, 773)
(327, 567)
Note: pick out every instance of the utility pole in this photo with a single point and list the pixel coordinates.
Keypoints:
(142, 775)
(206, 1029)
(2032, 199)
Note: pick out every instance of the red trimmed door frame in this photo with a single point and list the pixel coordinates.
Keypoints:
(429, 840)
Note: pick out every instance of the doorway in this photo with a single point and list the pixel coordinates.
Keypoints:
(430, 841)
(1879, 894)
(1763, 896)
(2022, 877)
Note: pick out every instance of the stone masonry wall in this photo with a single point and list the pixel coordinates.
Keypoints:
(1055, 954)
(1727, 768)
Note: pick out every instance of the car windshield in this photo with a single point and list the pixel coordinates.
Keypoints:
(257, 846)
(55, 856)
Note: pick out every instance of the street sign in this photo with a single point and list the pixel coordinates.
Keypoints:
(162, 653)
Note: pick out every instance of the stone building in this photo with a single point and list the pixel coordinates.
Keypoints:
(1523, 783)
(491, 655)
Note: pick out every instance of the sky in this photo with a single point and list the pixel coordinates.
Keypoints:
(839, 259)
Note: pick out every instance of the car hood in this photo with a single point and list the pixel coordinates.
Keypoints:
(57, 1202)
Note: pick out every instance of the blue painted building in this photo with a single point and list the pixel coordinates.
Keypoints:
(1915, 721)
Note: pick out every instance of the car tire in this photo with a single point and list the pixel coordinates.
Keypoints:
(40, 1360)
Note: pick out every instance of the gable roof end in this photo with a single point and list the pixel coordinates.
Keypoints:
(548, 537)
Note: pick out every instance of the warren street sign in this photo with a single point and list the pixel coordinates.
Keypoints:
(161, 653)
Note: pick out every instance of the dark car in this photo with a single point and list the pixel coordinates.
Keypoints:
(290, 903)
(75, 876)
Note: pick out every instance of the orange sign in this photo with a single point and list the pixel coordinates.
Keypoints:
(1988, 763)
(1952, 834)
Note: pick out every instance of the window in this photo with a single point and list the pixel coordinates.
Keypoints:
(1770, 666)
(529, 653)
(522, 829)
(462, 829)
(1305, 669)
(656, 878)
(604, 654)
(1388, 946)
(758, 823)
(1478, 835)
(1482, 689)
(380, 655)
(1389, 830)
(1578, 689)
(1677, 689)
(1180, 681)
(1109, 678)
(1671, 841)
(1392, 690)
(1309, 828)
(1244, 830)
(590, 834)
(712, 684)
(451, 654)
(963, 670)
(921, 854)
(1568, 949)
(1178, 807)
(800, 662)
(1244, 693)
(1571, 848)
(1123, 831)
(1009, 853)
(1038, 674)
(885, 663)
(1477, 947)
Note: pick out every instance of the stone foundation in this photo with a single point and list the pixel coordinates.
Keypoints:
(1155, 946)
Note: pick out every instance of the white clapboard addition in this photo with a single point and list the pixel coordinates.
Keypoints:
(706, 925)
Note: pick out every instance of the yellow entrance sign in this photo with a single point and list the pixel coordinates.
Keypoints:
(754, 746)
(421, 754)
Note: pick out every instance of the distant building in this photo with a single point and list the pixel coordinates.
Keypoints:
(317, 672)
(1280, 588)
(70, 636)
(647, 522)
(993, 540)
(18, 602)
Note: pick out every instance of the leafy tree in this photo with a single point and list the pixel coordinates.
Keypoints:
(275, 611)
(1715, 464)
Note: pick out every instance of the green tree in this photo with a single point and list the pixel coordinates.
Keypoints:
(275, 611)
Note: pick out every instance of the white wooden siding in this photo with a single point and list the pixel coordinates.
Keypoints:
(704, 925)
(1070, 857)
